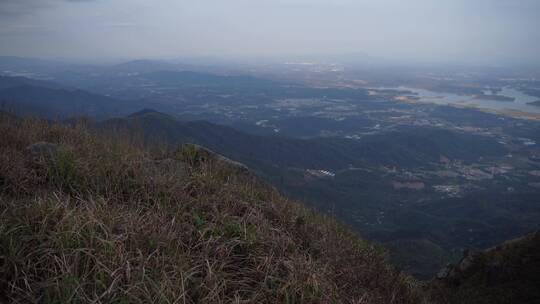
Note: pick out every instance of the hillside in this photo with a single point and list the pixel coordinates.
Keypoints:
(507, 273)
(88, 219)
(10, 82)
(361, 190)
(51, 101)
(407, 147)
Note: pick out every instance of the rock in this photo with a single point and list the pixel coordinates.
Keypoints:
(444, 273)
(207, 154)
(41, 151)
(469, 260)
(452, 274)
(231, 163)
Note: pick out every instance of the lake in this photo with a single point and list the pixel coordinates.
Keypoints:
(519, 104)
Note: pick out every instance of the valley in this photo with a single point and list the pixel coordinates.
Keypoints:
(412, 176)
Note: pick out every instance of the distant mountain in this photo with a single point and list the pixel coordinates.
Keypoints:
(24, 96)
(408, 147)
(257, 151)
(30, 67)
(141, 79)
(14, 62)
(189, 78)
(17, 81)
(146, 66)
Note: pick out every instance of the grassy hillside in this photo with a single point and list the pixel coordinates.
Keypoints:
(92, 220)
(507, 273)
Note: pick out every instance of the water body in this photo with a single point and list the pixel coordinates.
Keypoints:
(519, 104)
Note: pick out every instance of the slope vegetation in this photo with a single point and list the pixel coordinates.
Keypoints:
(86, 219)
(507, 273)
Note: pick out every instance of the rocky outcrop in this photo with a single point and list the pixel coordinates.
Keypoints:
(204, 154)
(453, 273)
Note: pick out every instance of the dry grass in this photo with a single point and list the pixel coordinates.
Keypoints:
(105, 222)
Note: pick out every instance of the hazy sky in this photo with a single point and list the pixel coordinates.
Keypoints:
(483, 31)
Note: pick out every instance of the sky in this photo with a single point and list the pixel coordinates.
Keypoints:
(468, 31)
